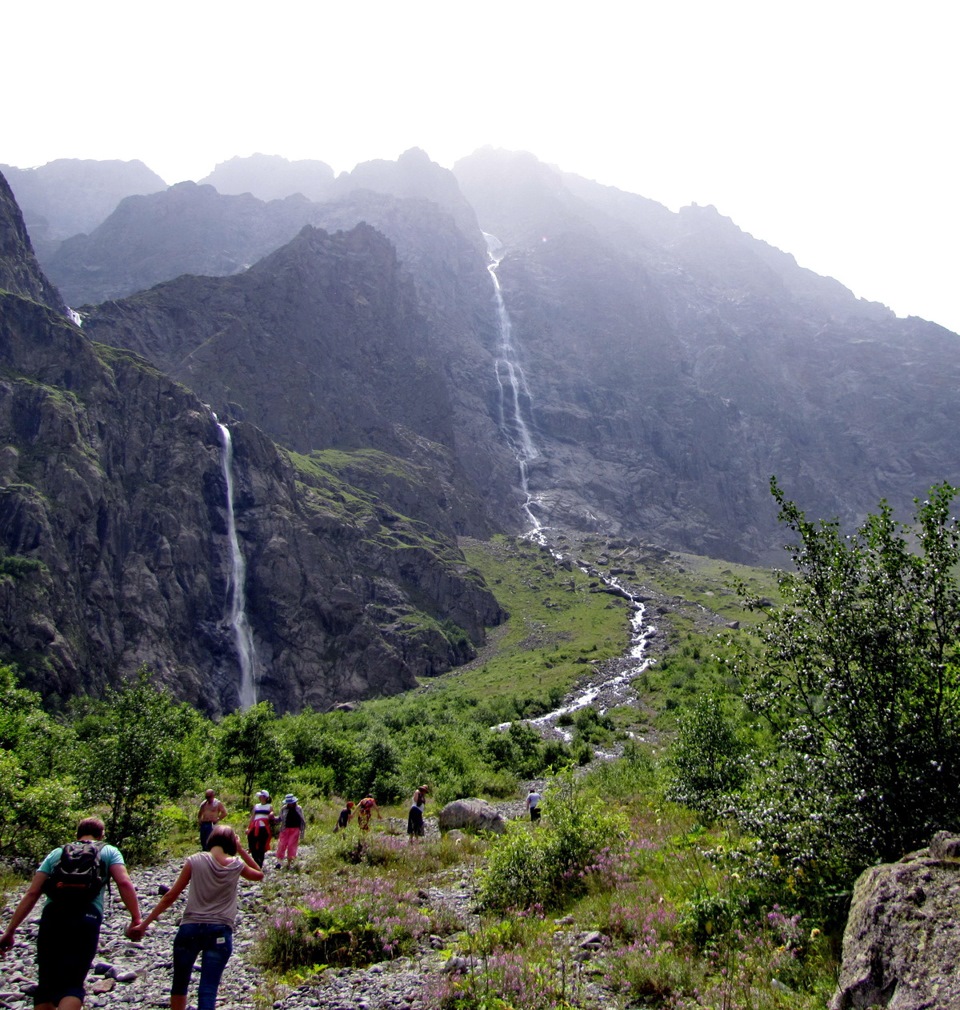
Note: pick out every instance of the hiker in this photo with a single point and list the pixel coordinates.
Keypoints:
(260, 828)
(206, 928)
(72, 877)
(344, 819)
(292, 827)
(533, 805)
(211, 812)
(364, 812)
(415, 817)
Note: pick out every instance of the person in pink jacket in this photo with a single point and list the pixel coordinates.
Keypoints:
(292, 826)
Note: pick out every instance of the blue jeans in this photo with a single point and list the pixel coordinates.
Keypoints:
(215, 943)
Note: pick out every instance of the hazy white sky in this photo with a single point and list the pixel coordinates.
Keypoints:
(829, 129)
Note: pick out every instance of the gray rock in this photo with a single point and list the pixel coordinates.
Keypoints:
(471, 815)
(901, 946)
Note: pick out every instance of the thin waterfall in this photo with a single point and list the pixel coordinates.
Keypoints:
(514, 394)
(236, 585)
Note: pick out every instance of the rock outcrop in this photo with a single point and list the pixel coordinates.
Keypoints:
(471, 815)
(20, 272)
(901, 947)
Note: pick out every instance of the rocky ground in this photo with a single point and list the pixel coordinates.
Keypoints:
(138, 974)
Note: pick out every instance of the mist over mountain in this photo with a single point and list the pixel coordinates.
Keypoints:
(270, 177)
(186, 229)
(674, 362)
(663, 366)
(69, 196)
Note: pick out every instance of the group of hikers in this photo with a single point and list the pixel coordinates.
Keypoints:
(367, 807)
(73, 876)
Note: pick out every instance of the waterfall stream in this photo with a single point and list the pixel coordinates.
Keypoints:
(515, 414)
(236, 584)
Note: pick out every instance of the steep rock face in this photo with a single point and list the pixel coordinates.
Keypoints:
(323, 345)
(412, 176)
(113, 546)
(676, 363)
(70, 195)
(19, 270)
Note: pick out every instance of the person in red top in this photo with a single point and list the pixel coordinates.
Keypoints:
(365, 809)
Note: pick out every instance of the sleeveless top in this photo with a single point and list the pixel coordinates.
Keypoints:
(212, 896)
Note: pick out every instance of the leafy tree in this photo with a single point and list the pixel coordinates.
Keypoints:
(37, 794)
(859, 675)
(250, 747)
(551, 865)
(131, 744)
(707, 759)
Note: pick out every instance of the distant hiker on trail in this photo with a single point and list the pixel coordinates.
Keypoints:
(260, 828)
(206, 928)
(415, 817)
(292, 827)
(344, 819)
(211, 812)
(533, 805)
(365, 810)
(72, 877)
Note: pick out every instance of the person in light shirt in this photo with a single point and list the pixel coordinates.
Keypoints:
(206, 928)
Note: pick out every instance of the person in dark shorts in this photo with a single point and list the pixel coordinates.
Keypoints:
(211, 813)
(344, 819)
(70, 923)
(533, 805)
(415, 817)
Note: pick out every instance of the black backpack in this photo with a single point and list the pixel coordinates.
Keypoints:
(79, 876)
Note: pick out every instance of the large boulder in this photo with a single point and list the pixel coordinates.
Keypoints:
(471, 815)
(901, 947)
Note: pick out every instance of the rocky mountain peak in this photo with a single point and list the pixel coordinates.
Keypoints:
(20, 272)
(270, 177)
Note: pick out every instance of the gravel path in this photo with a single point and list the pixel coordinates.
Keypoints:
(138, 975)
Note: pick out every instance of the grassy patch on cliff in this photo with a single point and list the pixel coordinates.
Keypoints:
(559, 623)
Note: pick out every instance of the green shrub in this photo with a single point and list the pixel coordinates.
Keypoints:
(707, 760)
(550, 864)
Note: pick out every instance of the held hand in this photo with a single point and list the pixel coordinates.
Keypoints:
(6, 942)
(135, 933)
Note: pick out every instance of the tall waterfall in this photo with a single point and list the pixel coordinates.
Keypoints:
(236, 591)
(515, 400)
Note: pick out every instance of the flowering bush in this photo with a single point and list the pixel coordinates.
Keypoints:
(514, 964)
(367, 921)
